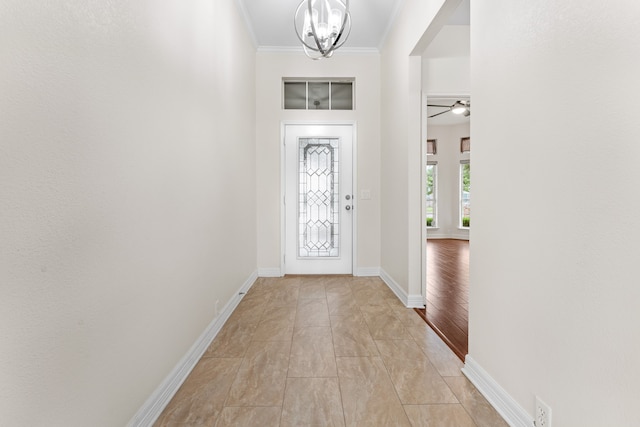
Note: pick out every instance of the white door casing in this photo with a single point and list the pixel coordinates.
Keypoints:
(319, 199)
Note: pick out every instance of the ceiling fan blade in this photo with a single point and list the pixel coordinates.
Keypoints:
(442, 106)
(437, 114)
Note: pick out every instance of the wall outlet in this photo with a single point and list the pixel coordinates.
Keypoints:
(543, 414)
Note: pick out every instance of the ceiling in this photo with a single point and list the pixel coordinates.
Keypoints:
(271, 25)
(271, 22)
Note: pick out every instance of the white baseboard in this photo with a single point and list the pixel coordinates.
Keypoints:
(160, 398)
(460, 236)
(368, 272)
(400, 293)
(269, 272)
(362, 272)
(506, 406)
(415, 301)
(409, 301)
(447, 236)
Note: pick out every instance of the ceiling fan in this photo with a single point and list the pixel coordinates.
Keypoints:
(458, 107)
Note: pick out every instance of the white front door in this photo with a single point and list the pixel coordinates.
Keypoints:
(318, 199)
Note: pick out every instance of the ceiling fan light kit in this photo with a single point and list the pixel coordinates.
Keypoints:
(322, 26)
(458, 107)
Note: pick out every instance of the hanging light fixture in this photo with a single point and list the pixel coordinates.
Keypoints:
(459, 108)
(322, 26)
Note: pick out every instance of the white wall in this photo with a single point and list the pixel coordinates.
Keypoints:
(554, 296)
(448, 180)
(447, 76)
(446, 62)
(122, 125)
(271, 68)
(401, 164)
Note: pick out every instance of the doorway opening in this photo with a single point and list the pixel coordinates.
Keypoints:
(446, 110)
(447, 191)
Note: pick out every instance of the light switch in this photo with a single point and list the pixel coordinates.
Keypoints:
(365, 194)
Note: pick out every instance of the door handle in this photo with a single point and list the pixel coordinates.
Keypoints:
(348, 207)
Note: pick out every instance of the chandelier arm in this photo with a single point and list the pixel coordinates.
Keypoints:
(295, 22)
(309, 55)
(314, 31)
(347, 18)
(298, 32)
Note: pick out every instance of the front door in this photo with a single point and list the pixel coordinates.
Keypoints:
(318, 199)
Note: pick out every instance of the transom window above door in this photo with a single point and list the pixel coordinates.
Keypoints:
(317, 94)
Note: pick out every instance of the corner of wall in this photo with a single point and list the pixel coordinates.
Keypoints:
(409, 300)
(498, 397)
(160, 398)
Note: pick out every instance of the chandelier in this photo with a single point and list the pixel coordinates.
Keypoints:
(323, 27)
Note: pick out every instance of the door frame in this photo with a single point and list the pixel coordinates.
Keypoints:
(354, 174)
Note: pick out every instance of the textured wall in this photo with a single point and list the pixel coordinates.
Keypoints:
(401, 164)
(554, 244)
(127, 197)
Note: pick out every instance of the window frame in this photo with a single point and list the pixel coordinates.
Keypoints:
(465, 145)
(434, 221)
(329, 81)
(434, 144)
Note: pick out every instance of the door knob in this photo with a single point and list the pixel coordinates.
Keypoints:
(348, 197)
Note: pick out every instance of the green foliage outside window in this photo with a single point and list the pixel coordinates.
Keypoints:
(431, 195)
(465, 199)
(466, 178)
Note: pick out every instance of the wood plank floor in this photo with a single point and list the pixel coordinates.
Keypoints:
(447, 308)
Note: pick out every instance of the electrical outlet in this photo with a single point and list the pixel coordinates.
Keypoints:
(543, 414)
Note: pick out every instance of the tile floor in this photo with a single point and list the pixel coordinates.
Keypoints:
(327, 351)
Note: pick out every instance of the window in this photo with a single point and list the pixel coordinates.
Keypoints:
(431, 194)
(465, 145)
(432, 146)
(465, 193)
(318, 95)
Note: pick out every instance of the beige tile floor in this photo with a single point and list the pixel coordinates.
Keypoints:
(327, 351)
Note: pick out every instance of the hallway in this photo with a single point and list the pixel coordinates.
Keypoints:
(329, 351)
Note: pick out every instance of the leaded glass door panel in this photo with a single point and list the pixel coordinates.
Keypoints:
(318, 201)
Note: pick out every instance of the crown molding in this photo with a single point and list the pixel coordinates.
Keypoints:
(340, 52)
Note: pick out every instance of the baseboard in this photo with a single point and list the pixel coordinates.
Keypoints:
(368, 272)
(506, 406)
(160, 398)
(269, 272)
(362, 272)
(400, 293)
(447, 236)
(460, 237)
(409, 301)
(415, 301)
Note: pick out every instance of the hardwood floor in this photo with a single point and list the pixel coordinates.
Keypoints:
(447, 308)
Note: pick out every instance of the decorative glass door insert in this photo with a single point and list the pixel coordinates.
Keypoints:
(318, 198)
(318, 203)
